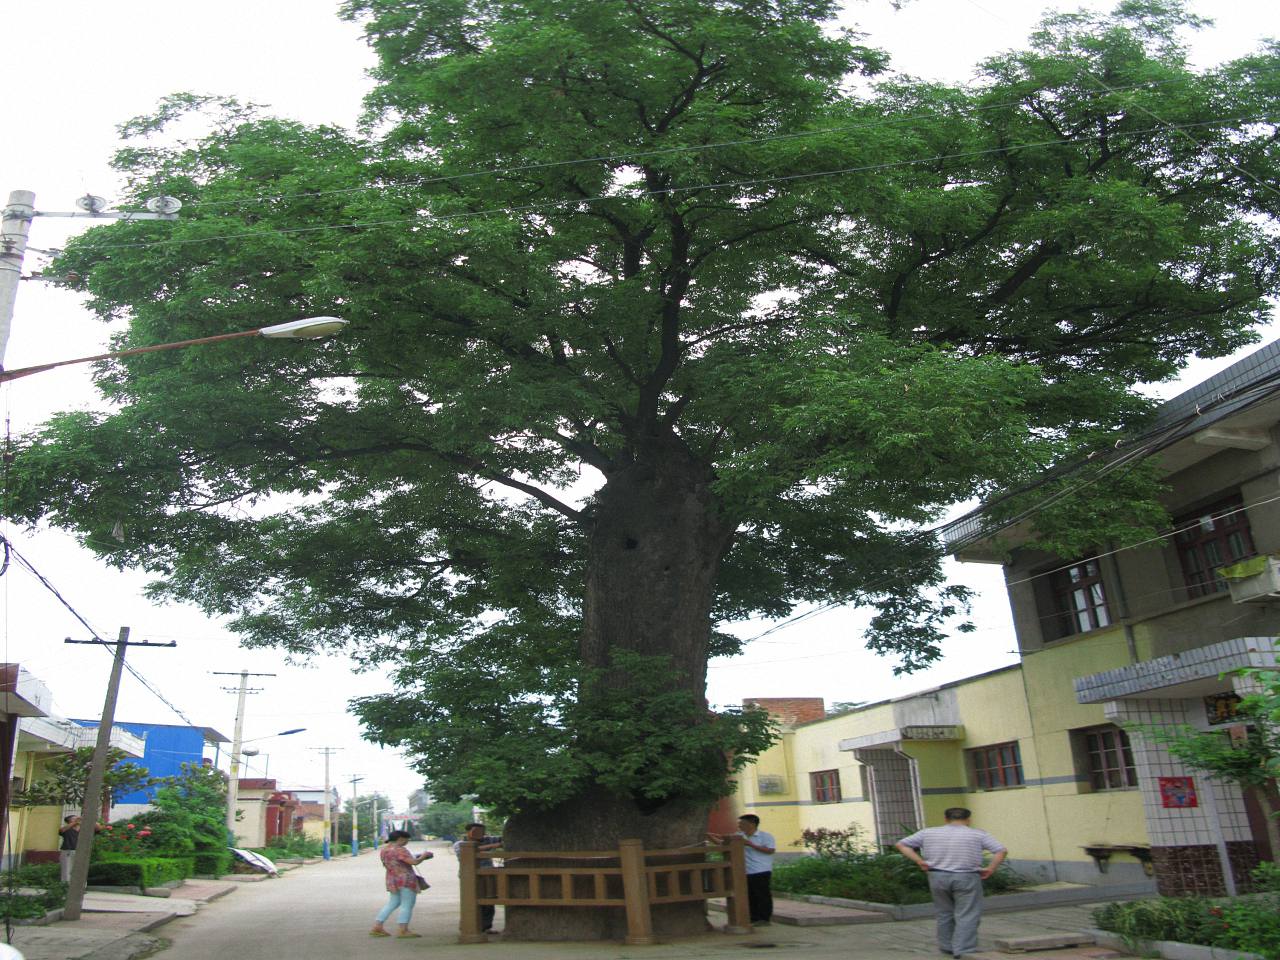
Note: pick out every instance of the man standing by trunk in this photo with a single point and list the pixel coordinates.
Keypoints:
(70, 831)
(759, 851)
(475, 833)
(952, 857)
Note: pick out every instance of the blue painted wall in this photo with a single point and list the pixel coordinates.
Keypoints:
(167, 748)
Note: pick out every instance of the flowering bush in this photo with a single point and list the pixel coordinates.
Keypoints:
(124, 837)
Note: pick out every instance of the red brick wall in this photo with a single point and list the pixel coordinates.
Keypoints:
(790, 709)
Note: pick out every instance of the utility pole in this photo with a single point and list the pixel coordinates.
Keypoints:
(328, 752)
(355, 810)
(15, 225)
(14, 229)
(377, 828)
(97, 774)
(233, 780)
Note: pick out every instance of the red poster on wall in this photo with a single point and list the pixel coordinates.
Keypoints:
(1178, 792)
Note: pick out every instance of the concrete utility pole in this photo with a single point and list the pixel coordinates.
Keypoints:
(14, 229)
(89, 810)
(377, 828)
(328, 752)
(15, 225)
(355, 818)
(233, 780)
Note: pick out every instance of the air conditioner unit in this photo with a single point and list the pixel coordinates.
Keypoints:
(1260, 587)
(770, 783)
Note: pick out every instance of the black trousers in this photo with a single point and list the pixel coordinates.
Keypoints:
(760, 897)
(486, 916)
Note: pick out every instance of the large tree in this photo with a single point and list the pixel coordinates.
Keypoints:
(664, 314)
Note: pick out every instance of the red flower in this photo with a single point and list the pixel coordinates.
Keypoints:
(131, 826)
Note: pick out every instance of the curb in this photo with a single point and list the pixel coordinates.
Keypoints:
(126, 948)
(1172, 949)
(1003, 903)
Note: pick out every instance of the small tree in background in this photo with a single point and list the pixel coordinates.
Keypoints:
(446, 819)
(1251, 761)
(65, 777)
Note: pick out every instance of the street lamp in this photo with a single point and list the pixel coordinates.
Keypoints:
(283, 733)
(254, 751)
(313, 328)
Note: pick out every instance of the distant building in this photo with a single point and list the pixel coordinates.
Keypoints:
(309, 815)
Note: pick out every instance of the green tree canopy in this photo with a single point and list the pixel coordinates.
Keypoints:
(66, 776)
(446, 819)
(664, 314)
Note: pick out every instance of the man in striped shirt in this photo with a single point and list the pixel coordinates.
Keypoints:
(952, 857)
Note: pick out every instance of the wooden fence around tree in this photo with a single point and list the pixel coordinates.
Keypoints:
(630, 878)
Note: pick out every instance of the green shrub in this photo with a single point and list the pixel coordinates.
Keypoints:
(120, 871)
(1266, 878)
(878, 877)
(1250, 924)
(41, 877)
(294, 844)
(883, 878)
(212, 863)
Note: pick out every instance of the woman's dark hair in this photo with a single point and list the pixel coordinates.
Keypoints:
(398, 835)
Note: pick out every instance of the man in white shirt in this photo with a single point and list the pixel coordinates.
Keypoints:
(760, 847)
(952, 856)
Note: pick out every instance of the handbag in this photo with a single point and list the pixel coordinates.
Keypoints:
(421, 881)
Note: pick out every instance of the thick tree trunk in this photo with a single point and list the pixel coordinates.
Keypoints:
(655, 551)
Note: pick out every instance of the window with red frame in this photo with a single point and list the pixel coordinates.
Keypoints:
(1216, 536)
(825, 786)
(1079, 598)
(996, 767)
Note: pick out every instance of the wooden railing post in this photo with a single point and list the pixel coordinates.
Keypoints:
(737, 907)
(469, 921)
(635, 890)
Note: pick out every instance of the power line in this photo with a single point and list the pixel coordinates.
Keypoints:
(643, 154)
(30, 568)
(1116, 92)
(1146, 444)
(660, 191)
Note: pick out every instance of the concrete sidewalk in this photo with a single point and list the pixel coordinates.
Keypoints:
(323, 912)
(116, 926)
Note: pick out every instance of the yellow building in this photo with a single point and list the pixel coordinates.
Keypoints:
(1049, 754)
(33, 831)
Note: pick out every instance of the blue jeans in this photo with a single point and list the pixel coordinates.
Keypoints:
(404, 898)
(958, 900)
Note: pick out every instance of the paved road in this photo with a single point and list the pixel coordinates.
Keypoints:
(323, 912)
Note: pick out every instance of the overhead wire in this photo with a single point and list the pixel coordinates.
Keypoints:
(25, 564)
(643, 154)
(640, 194)
(1146, 443)
(1117, 91)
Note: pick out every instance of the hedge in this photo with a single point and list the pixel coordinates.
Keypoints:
(212, 862)
(117, 871)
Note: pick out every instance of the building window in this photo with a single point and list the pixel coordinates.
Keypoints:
(825, 786)
(996, 767)
(1106, 757)
(1207, 539)
(1079, 599)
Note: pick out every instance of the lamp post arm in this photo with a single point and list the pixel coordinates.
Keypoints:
(8, 375)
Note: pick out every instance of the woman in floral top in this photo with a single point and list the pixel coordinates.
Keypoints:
(402, 883)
